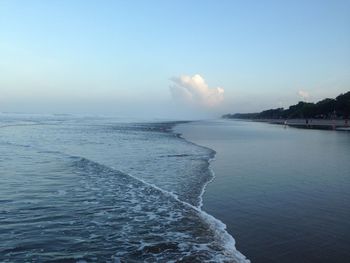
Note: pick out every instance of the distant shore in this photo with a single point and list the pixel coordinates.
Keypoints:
(320, 124)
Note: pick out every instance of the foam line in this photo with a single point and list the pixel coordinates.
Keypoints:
(228, 240)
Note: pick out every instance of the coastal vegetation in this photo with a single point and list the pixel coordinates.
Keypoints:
(338, 108)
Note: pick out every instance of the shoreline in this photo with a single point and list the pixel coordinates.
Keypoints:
(244, 174)
(226, 238)
(317, 124)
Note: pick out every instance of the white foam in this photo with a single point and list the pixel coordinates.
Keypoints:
(216, 225)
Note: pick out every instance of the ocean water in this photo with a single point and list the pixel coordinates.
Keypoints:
(93, 189)
(284, 194)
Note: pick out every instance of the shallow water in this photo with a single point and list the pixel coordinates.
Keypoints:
(93, 189)
(284, 194)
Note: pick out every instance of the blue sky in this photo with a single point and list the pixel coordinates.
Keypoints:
(121, 57)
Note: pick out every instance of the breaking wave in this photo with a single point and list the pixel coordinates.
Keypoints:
(102, 206)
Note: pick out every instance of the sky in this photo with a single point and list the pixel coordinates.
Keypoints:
(171, 59)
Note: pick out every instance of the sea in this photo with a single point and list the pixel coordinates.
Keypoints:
(101, 189)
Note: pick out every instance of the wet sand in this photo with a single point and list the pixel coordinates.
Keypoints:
(283, 193)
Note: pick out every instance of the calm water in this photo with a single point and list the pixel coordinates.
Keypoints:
(283, 193)
(84, 189)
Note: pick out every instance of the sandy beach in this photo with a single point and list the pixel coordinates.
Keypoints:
(320, 124)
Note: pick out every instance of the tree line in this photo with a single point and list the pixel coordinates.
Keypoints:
(338, 108)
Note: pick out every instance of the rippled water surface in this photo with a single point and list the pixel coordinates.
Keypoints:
(101, 190)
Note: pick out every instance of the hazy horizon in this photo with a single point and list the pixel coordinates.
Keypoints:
(184, 59)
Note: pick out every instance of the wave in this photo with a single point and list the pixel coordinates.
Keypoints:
(218, 227)
(227, 252)
(228, 240)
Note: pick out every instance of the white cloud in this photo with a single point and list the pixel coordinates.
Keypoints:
(194, 91)
(303, 94)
